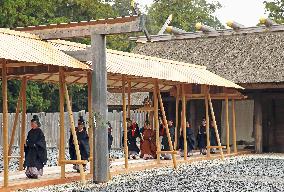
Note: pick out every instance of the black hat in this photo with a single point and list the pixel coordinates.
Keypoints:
(36, 119)
(81, 120)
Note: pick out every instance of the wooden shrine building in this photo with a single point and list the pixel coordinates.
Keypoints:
(249, 56)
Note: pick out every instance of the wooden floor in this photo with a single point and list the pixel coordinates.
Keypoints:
(18, 179)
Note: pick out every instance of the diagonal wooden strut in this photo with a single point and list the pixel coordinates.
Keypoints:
(167, 127)
(18, 108)
(73, 131)
(215, 124)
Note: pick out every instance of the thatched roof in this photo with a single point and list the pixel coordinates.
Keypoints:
(241, 58)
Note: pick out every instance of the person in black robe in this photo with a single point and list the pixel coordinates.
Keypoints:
(165, 142)
(213, 139)
(132, 134)
(201, 137)
(190, 140)
(83, 142)
(110, 137)
(35, 150)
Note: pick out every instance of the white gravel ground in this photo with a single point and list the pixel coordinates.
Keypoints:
(243, 173)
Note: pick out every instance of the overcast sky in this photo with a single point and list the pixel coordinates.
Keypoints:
(246, 12)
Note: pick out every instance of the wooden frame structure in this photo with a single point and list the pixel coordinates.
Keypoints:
(81, 73)
(203, 92)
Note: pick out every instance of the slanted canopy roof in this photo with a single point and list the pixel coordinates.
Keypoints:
(143, 69)
(27, 54)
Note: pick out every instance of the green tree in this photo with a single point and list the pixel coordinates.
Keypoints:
(186, 13)
(275, 9)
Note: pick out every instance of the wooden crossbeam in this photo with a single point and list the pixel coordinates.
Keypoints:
(73, 162)
(211, 147)
(84, 29)
(171, 152)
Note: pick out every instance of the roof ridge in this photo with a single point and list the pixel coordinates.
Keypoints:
(19, 33)
(217, 33)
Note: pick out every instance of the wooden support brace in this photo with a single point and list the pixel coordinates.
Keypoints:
(207, 123)
(210, 147)
(62, 128)
(171, 152)
(234, 127)
(124, 123)
(177, 106)
(91, 128)
(16, 119)
(156, 120)
(167, 127)
(16, 157)
(184, 121)
(73, 162)
(73, 131)
(23, 124)
(215, 125)
(129, 99)
(5, 123)
(227, 125)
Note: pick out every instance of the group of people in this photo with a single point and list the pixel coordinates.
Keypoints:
(36, 153)
(147, 137)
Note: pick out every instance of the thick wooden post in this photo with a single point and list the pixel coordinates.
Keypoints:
(177, 107)
(184, 121)
(129, 99)
(62, 128)
(167, 127)
(91, 121)
(5, 123)
(227, 125)
(156, 120)
(215, 125)
(207, 122)
(234, 127)
(258, 124)
(18, 108)
(23, 124)
(99, 106)
(73, 131)
(124, 123)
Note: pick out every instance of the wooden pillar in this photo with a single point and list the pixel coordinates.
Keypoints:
(227, 125)
(91, 121)
(62, 128)
(156, 120)
(23, 124)
(5, 123)
(99, 107)
(184, 121)
(177, 107)
(16, 119)
(124, 123)
(207, 122)
(73, 131)
(234, 127)
(258, 124)
(215, 125)
(129, 99)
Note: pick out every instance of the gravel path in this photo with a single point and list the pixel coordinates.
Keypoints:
(243, 173)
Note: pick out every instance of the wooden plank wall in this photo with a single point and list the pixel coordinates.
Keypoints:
(50, 126)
